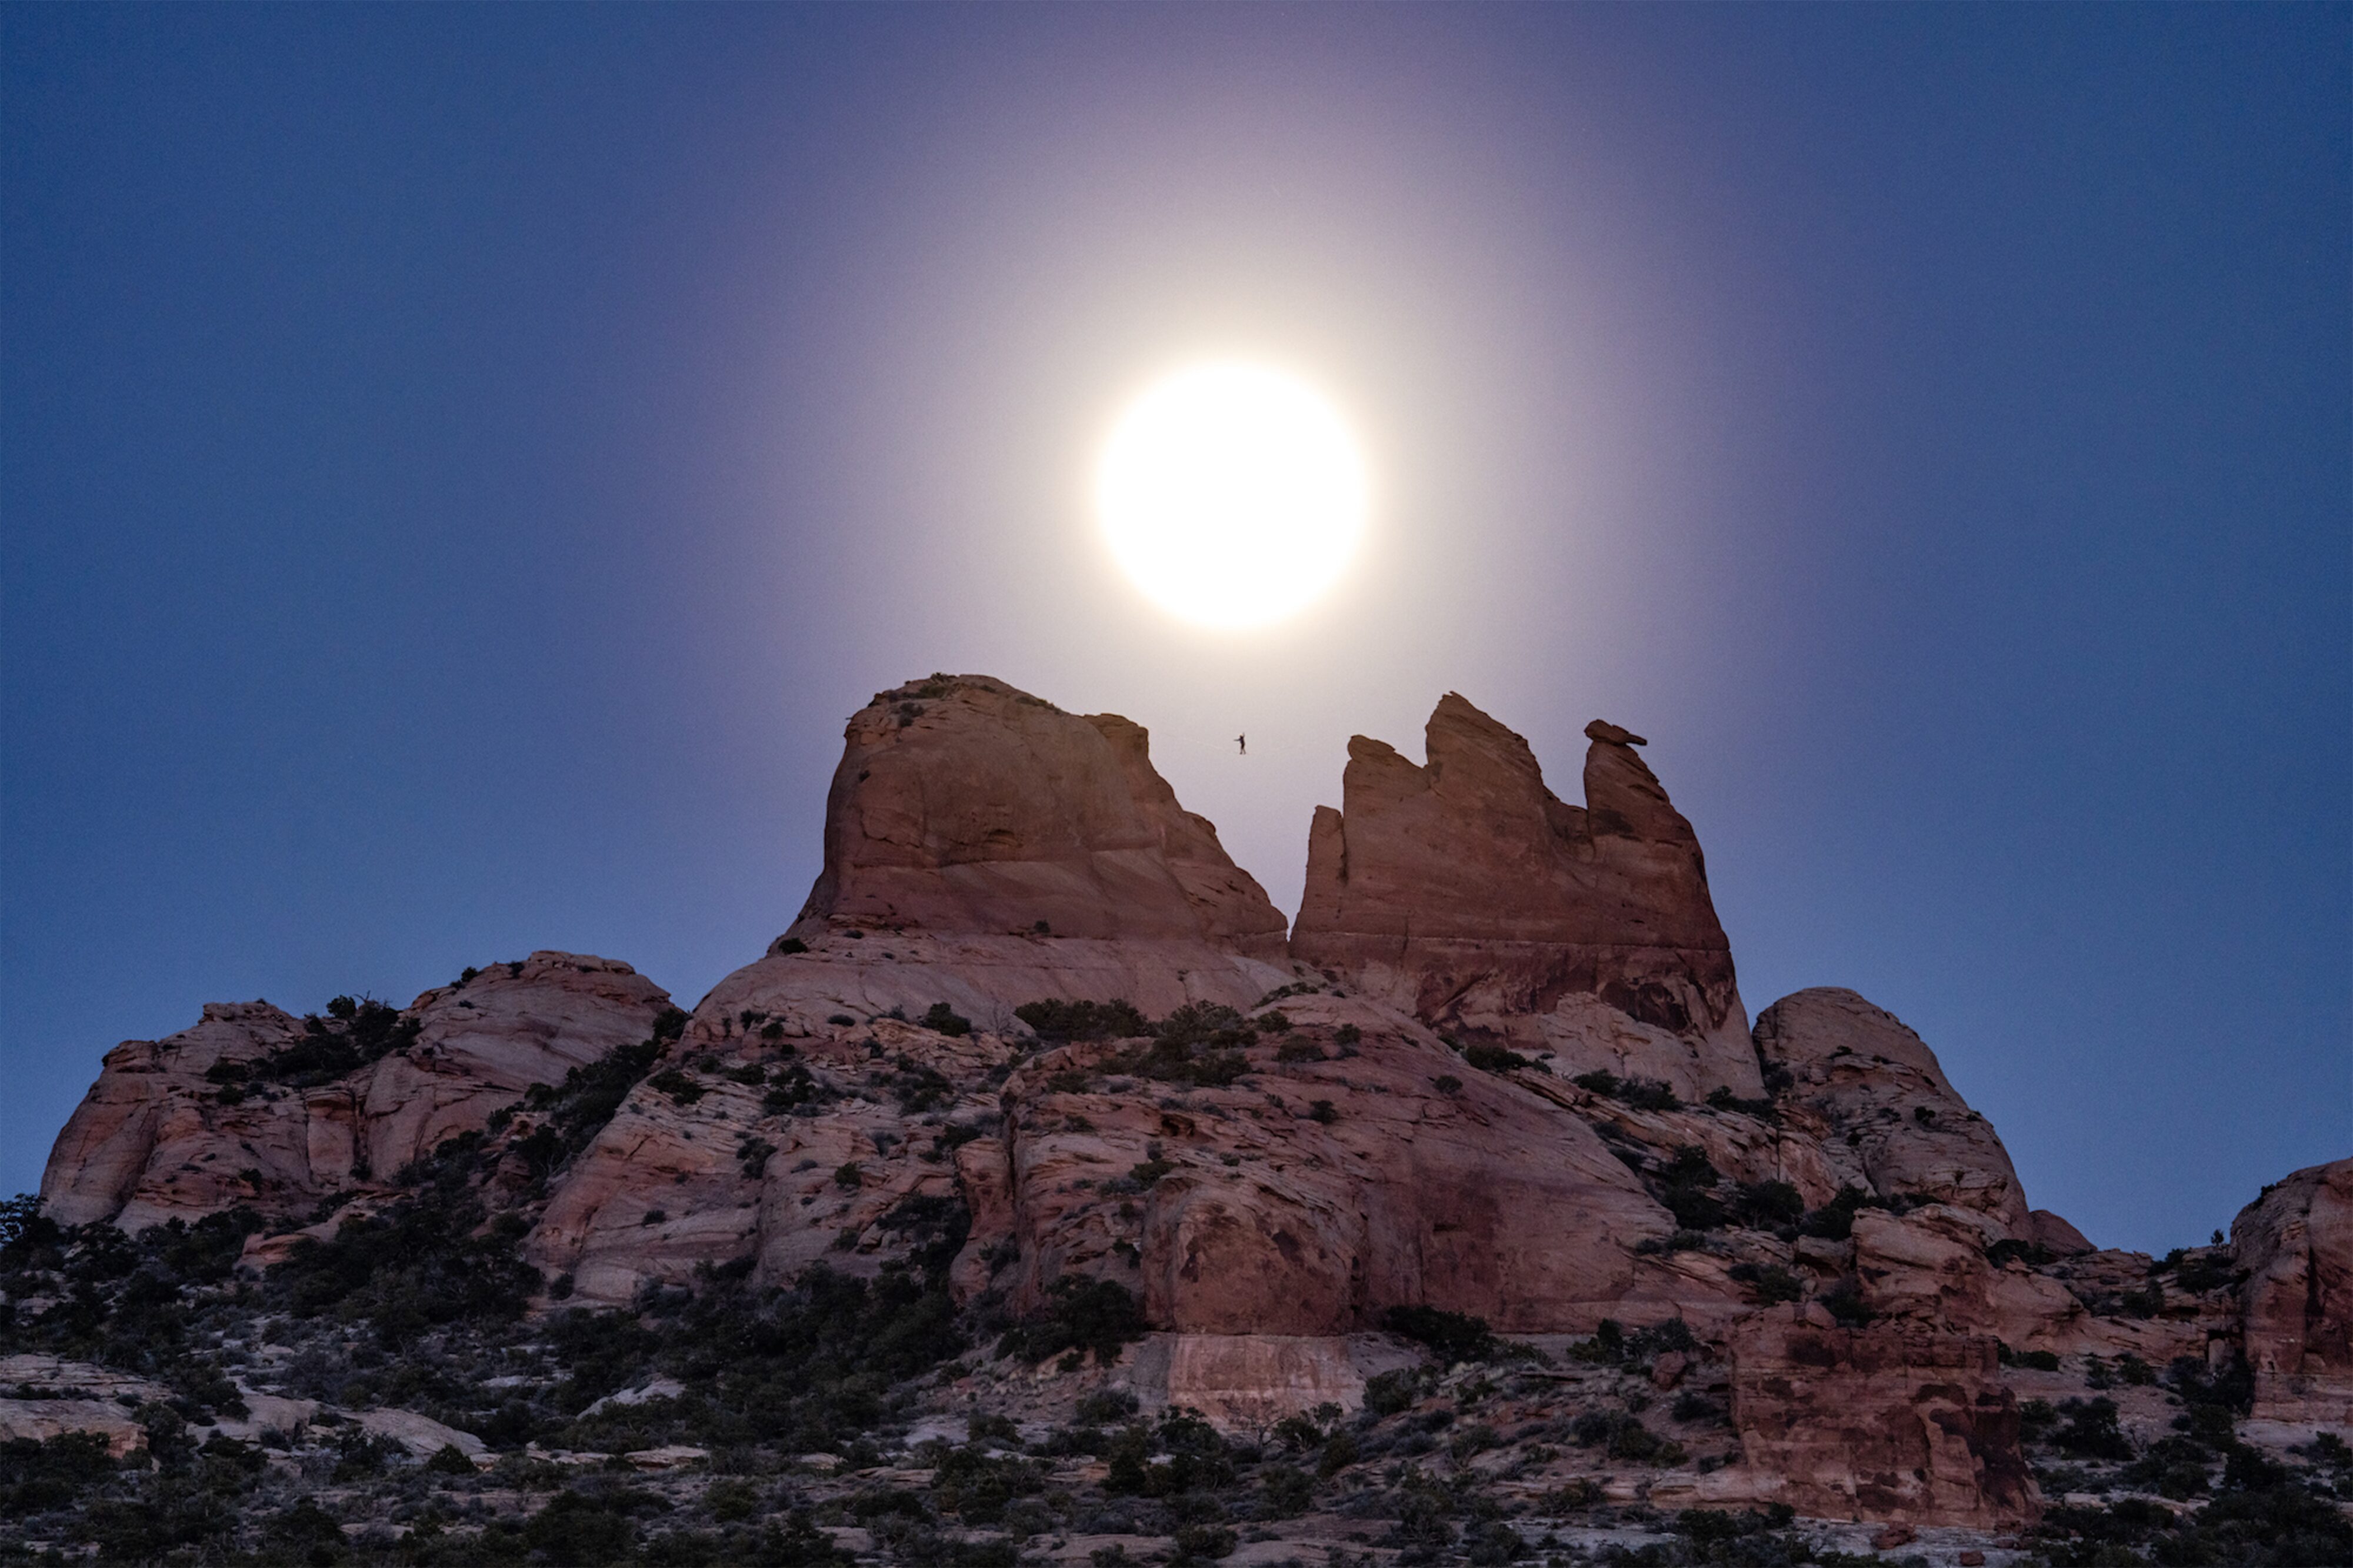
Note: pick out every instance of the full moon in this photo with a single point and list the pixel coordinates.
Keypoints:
(1232, 493)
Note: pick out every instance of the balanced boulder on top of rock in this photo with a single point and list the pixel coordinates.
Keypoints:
(1468, 892)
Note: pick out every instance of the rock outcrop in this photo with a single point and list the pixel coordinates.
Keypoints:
(964, 808)
(254, 1106)
(1889, 1422)
(1872, 1096)
(1466, 892)
(2295, 1244)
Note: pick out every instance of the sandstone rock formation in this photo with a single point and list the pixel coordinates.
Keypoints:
(964, 808)
(2296, 1245)
(1888, 1422)
(1503, 1071)
(1872, 1095)
(248, 1105)
(1465, 891)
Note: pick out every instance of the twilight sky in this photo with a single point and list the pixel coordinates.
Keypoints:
(459, 468)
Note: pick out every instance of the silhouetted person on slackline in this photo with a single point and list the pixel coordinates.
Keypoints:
(1243, 742)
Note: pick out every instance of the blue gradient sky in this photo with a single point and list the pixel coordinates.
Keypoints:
(459, 468)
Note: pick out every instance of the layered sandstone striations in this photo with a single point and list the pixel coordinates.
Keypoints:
(1468, 893)
(253, 1106)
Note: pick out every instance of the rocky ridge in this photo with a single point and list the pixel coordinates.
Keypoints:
(1034, 1036)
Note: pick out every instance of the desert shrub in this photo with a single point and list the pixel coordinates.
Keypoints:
(796, 1091)
(1205, 1542)
(574, 1527)
(934, 1224)
(1197, 1459)
(1640, 1093)
(1496, 1059)
(1298, 1048)
(1722, 1099)
(976, 1488)
(1284, 1492)
(355, 1033)
(682, 1088)
(1692, 1405)
(1834, 1221)
(578, 1107)
(1447, 1083)
(1200, 1043)
(2089, 1430)
(1622, 1437)
(2229, 1389)
(1080, 1314)
(1451, 1336)
(1768, 1204)
(2210, 1268)
(418, 1263)
(1489, 1544)
(917, 1087)
(1390, 1393)
(38, 1476)
(942, 1019)
(1058, 1020)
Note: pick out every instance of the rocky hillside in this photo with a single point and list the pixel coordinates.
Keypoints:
(1042, 1194)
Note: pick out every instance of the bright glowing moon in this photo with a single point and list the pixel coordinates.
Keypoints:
(1232, 493)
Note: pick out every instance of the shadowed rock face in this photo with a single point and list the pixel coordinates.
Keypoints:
(1468, 892)
(2295, 1243)
(964, 808)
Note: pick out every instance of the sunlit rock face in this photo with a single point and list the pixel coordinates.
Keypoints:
(2296, 1245)
(1466, 891)
(964, 808)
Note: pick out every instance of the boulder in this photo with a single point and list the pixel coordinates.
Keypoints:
(1466, 892)
(1870, 1093)
(2055, 1235)
(2295, 1244)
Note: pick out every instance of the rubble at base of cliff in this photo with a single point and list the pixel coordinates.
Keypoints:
(1035, 1200)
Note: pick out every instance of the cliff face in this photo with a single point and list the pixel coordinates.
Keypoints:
(964, 808)
(2295, 1244)
(1468, 893)
(1033, 1030)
